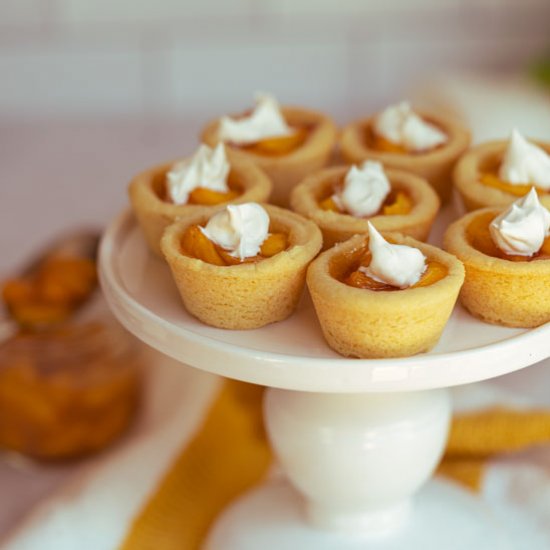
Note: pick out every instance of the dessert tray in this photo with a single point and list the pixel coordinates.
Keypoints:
(356, 439)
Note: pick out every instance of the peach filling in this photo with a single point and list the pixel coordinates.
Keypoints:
(491, 179)
(196, 244)
(200, 195)
(479, 236)
(397, 203)
(208, 197)
(379, 143)
(435, 271)
(277, 146)
(51, 294)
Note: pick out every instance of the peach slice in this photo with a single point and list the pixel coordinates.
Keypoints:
(51, 294)
(382, 144)
(275, 243)
(359, 279)
(208, 197)
(400, 206)
(329, 204)
(492, 180)
(480, 238)
(434, 272)
(282, 145)
(197, 245)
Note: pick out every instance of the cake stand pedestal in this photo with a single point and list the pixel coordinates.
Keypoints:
(357, 440)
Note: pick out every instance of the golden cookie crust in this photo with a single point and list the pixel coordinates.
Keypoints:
(499, 291)
(374, 324)
(435, 165)
(244, 296)
(287, 170)
(154, 215)
(338, 227)
(469, 168)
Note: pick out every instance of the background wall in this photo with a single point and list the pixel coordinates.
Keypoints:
(165, 57)
(93, 91)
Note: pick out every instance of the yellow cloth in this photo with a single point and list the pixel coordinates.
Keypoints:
(478, 436)
(229, 454)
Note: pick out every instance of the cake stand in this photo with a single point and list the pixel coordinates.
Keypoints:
(356, 440)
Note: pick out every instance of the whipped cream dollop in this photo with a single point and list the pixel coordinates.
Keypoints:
(522, 229)
(393, 264)
(401, 125)
(265, 121)
(241, 229)
(524, 162)
(364, 191)
(206, 168)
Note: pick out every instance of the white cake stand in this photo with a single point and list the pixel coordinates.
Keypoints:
(356, 439)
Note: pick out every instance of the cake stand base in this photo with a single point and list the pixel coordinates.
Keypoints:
(272, 517)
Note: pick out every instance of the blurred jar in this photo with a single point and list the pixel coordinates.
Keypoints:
(69, 391)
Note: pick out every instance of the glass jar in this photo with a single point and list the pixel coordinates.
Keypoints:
(69, 391)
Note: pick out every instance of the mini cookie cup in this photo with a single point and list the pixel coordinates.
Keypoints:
(470, 168)
(366, 323)
(154, 214)
(338, 227)
(248, 295)
(435, 165)
(499, 291)
(285, 171)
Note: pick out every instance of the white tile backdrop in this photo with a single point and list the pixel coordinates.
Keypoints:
(203, 57)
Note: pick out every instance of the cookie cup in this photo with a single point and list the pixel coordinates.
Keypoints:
(435, 165)
(470, 168)
(285, 171)
(338, 227)
(366, 323)
(248, 295)
(499, 291)
(154, 214)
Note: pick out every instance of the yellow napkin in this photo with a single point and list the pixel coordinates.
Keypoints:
(230, 454)
(476, 437)
(226, 457)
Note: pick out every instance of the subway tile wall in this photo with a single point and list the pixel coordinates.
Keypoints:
(178, 57)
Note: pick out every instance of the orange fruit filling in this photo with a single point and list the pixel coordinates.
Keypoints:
(51, 294)
(201, 195)
(435, 271)
(396, 203)
(379, 143)
(278, 146)
(65, 392)
(385, 145)
(479, 236)
(208, 197)
(275, 243)
(329, 204)
(196, 244)
(491, 179)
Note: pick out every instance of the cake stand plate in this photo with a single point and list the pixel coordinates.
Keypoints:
(444, 517)
(357, 439)
(293, 354)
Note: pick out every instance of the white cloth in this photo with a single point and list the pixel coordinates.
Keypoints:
(515, 487)
(517, 490)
